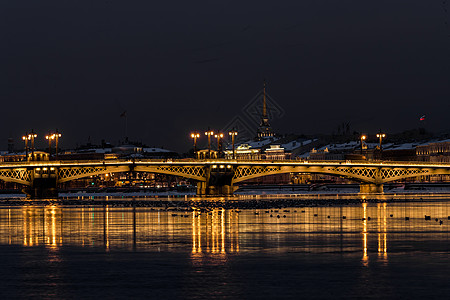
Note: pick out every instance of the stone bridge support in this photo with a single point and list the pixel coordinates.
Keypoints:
(43, 183)
(219, 181)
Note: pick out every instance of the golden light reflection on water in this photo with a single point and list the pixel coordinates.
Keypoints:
(382, 230)
(365, 256)
(215, 231)
(367, 228)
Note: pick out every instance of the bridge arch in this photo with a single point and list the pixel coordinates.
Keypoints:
(363, 174)
(197, 173)
(21, 176)
(243, 173)
(66, 174)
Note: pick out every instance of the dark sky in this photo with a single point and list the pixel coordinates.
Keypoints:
(175, 66)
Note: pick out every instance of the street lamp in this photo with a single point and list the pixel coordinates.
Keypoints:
(25, 138)
(363, 138)
(33, 136)
(219, 137)
(29, 137)
(209, 133)
(50, 137)
(57, 136)
(233, 133)
(381, 136)
(195, 136)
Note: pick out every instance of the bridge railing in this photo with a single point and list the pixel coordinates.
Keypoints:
(63, 163)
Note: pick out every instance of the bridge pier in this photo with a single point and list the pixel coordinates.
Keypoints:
(44, 184)
(210, 190)
(370, 188)
(42, 191)
(219, 181)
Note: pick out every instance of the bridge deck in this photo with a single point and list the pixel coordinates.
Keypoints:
(191, 162)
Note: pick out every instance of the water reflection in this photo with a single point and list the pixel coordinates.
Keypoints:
(370, 229)
(382, 230)
(365, 256)
(214, 235)
(38, 226)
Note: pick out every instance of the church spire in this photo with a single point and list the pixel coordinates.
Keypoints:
(264, 129)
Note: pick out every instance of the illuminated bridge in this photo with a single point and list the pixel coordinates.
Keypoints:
(213, 176)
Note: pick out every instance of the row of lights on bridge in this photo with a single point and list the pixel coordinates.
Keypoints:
(219, 136)
(195, 136)
(30, 137)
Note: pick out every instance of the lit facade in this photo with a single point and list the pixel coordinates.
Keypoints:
(276, 152)
(244, 152)
(438, 152)
(434, 152)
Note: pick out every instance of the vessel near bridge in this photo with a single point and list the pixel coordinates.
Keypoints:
(213, 176)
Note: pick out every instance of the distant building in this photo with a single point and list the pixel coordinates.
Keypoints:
(127, 149)
(205, 154)
(21, 156)
(343, 151)
(244, 152)
(434, 152)
(370, 151)
(405, 152)
(88, 154)
(325, 154)
(276, 152)
(158, 153)
(12, 157)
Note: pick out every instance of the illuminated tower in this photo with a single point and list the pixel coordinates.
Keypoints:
(264, 129)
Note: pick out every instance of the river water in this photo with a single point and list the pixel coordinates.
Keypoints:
(366, 250)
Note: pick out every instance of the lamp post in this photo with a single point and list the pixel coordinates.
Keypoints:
(209, 133)
(25, 138)
(57, 136)
(363, 138)
(219, 137)
(195, 136)
(381, 136)
(31, 138)
(233, 133)
(50, 137)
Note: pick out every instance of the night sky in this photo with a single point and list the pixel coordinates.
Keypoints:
(176, 66)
